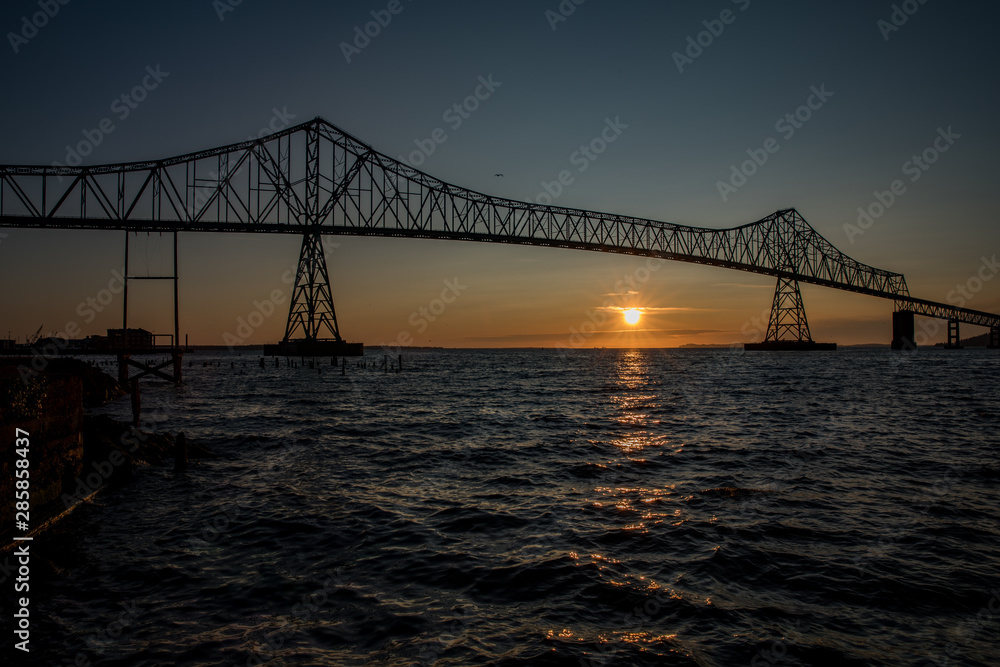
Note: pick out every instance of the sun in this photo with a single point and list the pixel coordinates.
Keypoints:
(632, 315)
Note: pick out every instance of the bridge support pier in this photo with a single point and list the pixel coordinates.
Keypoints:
(788, 328)
(903, 330)
(994, 338)
(311, 312)
(954, 337)
(312, 329)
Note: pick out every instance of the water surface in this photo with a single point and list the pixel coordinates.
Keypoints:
(632, 507)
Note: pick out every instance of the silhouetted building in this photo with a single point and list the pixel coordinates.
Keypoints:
(134, 339)
(96, 342)
(51, 344)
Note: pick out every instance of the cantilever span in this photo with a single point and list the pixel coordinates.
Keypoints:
(315, 179)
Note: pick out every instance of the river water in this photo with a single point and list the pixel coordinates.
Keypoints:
(519, 507)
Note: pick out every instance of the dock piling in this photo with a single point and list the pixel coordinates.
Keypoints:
(180, 452)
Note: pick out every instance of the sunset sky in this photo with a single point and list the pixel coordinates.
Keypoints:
(228, 70)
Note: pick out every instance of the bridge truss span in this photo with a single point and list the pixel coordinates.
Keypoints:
(316, 176)
(316, 179)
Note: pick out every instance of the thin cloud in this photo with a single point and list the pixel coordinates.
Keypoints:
(596, 334)
(663, 309)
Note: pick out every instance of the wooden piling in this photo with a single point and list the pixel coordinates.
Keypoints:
(180, 452)
(136, 403)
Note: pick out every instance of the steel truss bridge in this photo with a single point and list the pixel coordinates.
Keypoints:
(315, 179)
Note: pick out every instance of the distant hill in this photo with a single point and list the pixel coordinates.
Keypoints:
(717, 345)
(703, 345)
(983, 340)
(977, 341)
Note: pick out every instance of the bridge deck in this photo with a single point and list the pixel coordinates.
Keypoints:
(316, 178)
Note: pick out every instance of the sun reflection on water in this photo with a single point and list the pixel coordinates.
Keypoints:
(635, 399)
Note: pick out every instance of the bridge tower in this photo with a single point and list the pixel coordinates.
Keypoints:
(311, 310)
(788, 314)
(788, 327)
(312, 329)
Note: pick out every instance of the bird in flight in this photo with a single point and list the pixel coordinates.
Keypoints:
(499, 175)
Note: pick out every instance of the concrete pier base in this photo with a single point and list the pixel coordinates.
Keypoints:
(903, 330)
(798, 345)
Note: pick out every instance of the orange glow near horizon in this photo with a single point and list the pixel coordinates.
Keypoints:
(236, 290)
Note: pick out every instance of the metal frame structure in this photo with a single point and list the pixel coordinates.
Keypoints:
(311, 312)
(946, 311)
(315, 179)
(954, 337)
(788, 314)
(176, 352)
